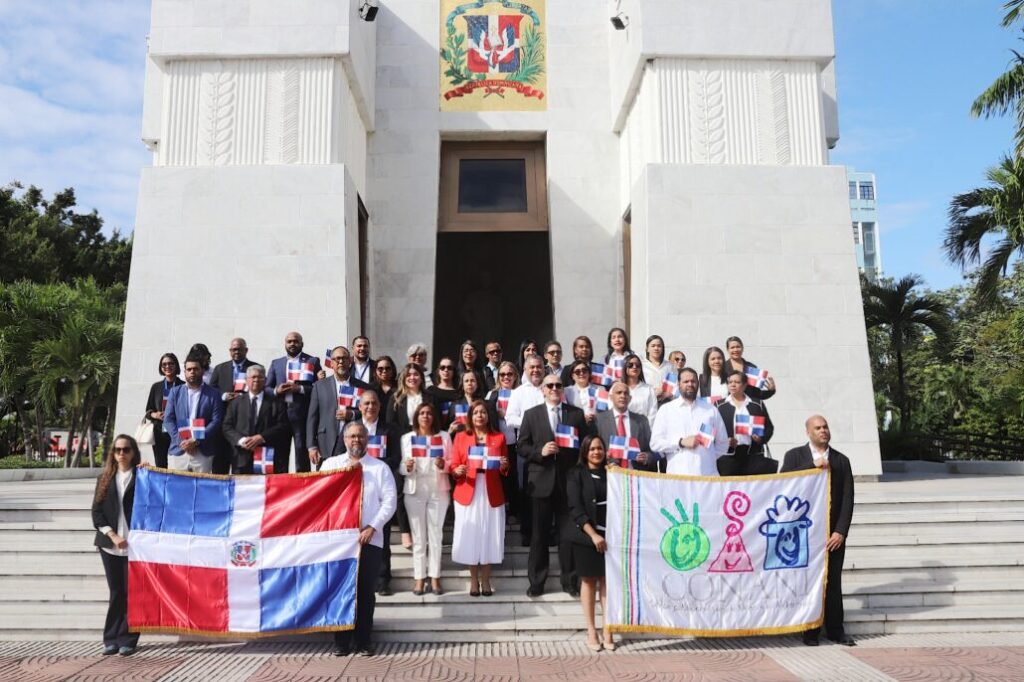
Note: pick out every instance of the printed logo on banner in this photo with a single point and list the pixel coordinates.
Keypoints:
(685, 545)
(733, 557)
(786, 533)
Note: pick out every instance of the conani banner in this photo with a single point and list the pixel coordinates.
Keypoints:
(716, 557)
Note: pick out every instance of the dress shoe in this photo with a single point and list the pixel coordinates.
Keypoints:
(810, 641)
(109, 649)
(609, 646)
(573, 592)
(534, 591)
(845, 640)
(126, 650)
(487, 593)
(342, 650)
(384, 590)
(594, 646)
(365, 650)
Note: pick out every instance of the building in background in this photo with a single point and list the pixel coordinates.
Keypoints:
(864, 214)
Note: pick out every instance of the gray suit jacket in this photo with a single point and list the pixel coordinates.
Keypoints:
(640, 429)
(323, 431)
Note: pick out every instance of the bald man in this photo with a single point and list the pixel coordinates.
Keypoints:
(229, 380)
(296, 394)
(817, 453)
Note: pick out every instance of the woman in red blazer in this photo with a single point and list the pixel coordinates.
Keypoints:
(479, 538)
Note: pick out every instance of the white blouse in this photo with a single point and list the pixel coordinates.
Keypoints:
(643, 401)
(121, 480)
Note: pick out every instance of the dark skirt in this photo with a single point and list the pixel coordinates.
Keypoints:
(589, 562)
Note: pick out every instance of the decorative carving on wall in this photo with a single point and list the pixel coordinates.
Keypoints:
(780, 119)
(218, 115)
(707, 102)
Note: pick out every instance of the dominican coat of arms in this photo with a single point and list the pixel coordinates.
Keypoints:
(493, 55)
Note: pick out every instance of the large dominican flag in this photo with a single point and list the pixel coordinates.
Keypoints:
(247, 555)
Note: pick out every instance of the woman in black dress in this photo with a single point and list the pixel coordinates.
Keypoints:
(170, 369)
(587, 491)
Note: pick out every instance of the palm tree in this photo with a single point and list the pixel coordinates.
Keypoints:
(997, 209)
(1007, 91)
(904, 315)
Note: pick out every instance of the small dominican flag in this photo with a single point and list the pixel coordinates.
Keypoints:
(601, 374)
(376, 446)
(748, 425)
(670, 386)
(238, 381)
(758, 378)
(620, 447)
(195, 430)
(349, 396)
(706, 435)
(599, 398)
(427, 446)
(328, 361)
(301, 371)
(461, 413)
(618, 367)
(503, 397)
(481, 458)
(263, 460)
(248, 555)
(567, 436)
(712, 399)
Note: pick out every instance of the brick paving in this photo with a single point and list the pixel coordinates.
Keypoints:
(779, 659)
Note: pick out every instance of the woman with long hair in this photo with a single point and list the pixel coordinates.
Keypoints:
(385, 375)
(656, 366)
(527, 348)
(479, 538)
(401, 412)
(618, 345)
(642, 398)
(169, 368)
(112, 517)
(426, 494)
(471, 361)
(444, 390)
(712, 379)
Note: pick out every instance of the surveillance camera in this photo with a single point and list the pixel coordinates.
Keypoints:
(620, 21)
(368, 10)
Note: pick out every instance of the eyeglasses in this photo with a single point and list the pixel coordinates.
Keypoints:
(632, 365)
(122, 450)
(554, 351)
(340, 358)
(235, 350)
(553, 386)
(445, 368)
(581, 371)
(385, 369)
(494, 351)
(506, 374)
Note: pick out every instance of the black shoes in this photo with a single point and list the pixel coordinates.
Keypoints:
(810, 641)
(384, 590)
(342, 650)
(109, 649)
(364, 650)
(534, 591)
(845, 640)
(126, 650)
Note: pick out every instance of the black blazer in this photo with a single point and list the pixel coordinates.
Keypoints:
(398, 415)
(582, 500)
(271, 423)
(638, 426)
(156, 396)
(223, 377)
(753, 392)
(841, 512)
(544, 473)
(756, 409)
(105, 512)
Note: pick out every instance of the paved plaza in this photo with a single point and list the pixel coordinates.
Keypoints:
(948, 657)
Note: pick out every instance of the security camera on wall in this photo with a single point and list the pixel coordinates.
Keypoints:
(368, 10)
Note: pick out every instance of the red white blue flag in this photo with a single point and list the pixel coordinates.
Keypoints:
(427, 446)
(349, 396)
(712, 399)
(238, 382)
(758, 378)
(252, 555)
(601, 375)
(706, 435)
(328, 360)
(670, 386)
(194, 430)
(567, 436)
(748, 425)
(376, 446)
(504, 395)
(461, 413)
(618, 367)
(301, 371)
(263, 460)
(621, 447)
(599, 398)
(482, 458)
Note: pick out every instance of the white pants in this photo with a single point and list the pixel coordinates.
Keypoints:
(198, 463)
(426, 523)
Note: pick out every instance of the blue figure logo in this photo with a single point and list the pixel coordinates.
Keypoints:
(786, 533)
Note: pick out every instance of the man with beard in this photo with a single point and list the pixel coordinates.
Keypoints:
(193, 449)
(327, 415)
(362, 363)
(295, 394)
(689, 431)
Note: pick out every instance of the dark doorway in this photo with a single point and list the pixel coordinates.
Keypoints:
(492, 284)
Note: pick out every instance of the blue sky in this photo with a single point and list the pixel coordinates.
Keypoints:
(71, 102)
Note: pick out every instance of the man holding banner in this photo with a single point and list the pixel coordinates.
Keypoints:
(817, 455)
(689, 432)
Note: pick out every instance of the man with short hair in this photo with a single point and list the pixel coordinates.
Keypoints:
(817, 453)
(327, 414)
(550, 455)
(689, 431)
(526, 395)
(229, 379)
(553, 358)
(362, 363)
(257, 419)
(620, 422)
(193, 445)
(378, 506)
(295, 393)
(493, 352)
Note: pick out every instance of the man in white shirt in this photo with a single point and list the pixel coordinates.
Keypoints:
(677, 428)
(528, 394)
(379, 502)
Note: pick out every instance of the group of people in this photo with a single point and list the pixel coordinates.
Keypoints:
(535, 433)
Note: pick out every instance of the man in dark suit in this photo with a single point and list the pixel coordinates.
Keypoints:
(547, 464)
(189, 401)
(818, 454)
(256, 418)
(229, 380)
(493, 352)
(295, 394)
(362, 363)
(326, 416)
(619, 421)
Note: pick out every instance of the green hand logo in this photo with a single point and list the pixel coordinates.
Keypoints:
(685, 545)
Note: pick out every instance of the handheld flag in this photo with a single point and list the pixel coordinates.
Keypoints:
(483, 458)
(461, 413)
(349, 396)
(618, 367)
(670, 386)
(328, 360)
(503, 397)
(599, 398)
(238, 383)
(706, 435)
(601, 375)
(758, 378)
(567, 436)
(263, 460)
(376, 446)
(712, 399)
(194, 430)
(444, 409)
(301, 371)
(620, 447)
(427, 446)
(747, 425)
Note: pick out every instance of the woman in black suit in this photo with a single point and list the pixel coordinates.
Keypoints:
(112, 517)
(170, 369)
(746, 450)
(587, 493)
(734, 345)
(386, 378)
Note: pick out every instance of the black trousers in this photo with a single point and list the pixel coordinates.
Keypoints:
(301, 451)
(161, 444)
(370, 557)
(833, 598)
(544, 511)
(115, 629)
(385, 564)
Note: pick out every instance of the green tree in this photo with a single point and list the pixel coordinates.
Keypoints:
(1006, 93)
(905, 317)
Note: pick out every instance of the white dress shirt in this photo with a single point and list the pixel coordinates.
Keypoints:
(579, 397)
(121, 480)
(412, 403)
(248, 406)
(817, 454)
(680, 419)
(523, 398)
(625, 421)
(361, 371)
(643, 401)
(379, 493)
(371, 427)
(655, 374)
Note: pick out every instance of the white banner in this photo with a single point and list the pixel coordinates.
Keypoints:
(716, 557)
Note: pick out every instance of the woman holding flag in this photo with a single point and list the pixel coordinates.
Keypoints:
(749, 428)
(497, 399)
(737, 362)
(580, 392)
(444, 391)
(426, 459)
(642, 398)
(469, 389)
(401, 412)
(656, 367)
(479, 461)
(170, 369)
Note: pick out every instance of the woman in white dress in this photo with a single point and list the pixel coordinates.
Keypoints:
(479, 460)
(426, 456)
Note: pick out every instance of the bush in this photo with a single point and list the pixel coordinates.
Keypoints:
(19, 462)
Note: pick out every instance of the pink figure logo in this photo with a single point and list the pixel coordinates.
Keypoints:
(733, 557)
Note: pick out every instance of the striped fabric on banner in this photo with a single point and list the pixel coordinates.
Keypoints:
(716, 556)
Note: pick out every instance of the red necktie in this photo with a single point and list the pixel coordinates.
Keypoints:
(622, 425)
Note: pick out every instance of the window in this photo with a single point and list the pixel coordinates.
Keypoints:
(867, 191)
(853, 190)
(869, 238)
(856, 233)
(493, 186)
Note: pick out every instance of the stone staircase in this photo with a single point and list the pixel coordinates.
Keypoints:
(938, 555)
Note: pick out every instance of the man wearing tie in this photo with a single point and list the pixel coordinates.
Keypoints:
(229, 380)
(547, 463)
(362, 363)
(187, 403)
(257, 419)
(619, 421)
(326, 415)
(689, 432)
(295, 395)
